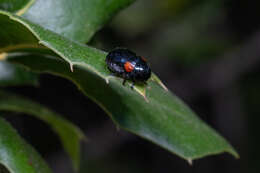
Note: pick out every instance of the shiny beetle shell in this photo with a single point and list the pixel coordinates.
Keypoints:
(129, 66)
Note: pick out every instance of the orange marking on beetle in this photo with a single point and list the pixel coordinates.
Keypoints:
(128, 67)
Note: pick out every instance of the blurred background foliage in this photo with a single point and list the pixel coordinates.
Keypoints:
(206, 51)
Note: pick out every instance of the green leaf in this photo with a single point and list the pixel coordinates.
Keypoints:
(13, 75)
(69, 134)
(16, 155)
(160, 117)
(14, 5)
(77, 20)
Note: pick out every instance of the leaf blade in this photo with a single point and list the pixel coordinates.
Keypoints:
(77, 20)
(175, 132)
(16, 155)
(13, 6)
(69, 134)
(13, 75)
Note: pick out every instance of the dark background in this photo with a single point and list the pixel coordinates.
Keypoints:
(206, 51)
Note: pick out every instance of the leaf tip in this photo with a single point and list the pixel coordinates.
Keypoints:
(163, 86)
(145, 98)
(41, 42)
(107, 79)
(189, 161)
(142, 92)
(156, 79)
(3, 56)
(71, 67)
(234, 153)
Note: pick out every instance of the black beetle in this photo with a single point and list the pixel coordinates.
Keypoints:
(129, 66)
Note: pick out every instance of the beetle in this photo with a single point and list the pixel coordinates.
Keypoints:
(126, 64)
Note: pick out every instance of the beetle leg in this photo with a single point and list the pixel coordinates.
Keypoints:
(124, 81)
(109, 76)
(124, 77)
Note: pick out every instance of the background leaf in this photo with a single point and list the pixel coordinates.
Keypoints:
(16, 155)
(13, 75)
(69, 134)
(77, 20)
(13, 5)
